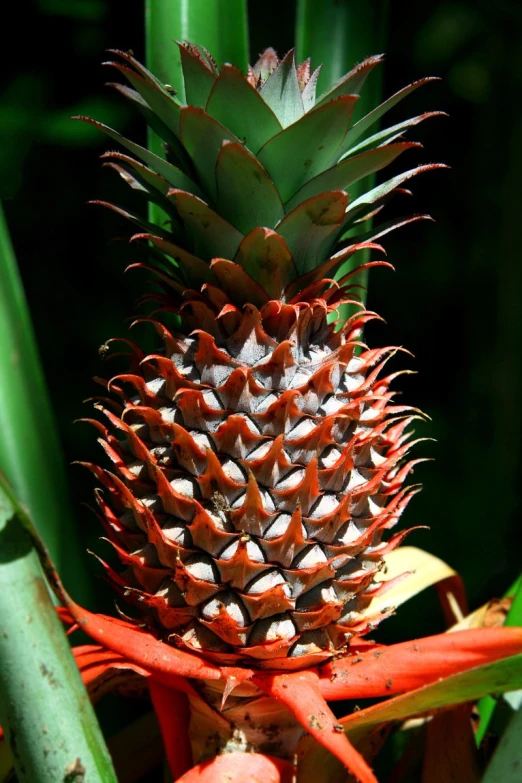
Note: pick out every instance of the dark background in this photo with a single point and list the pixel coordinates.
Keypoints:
(454, 300)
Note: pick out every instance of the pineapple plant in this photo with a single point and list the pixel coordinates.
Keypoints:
(258, 456)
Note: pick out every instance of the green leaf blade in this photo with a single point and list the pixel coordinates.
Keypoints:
(197, 77)
(306, 148)
(281, 92)
(376, 114)
(246, 196)
(203, 136)
(348, 171)
(240, 107)
(352, 82)
(212, 236)
(30, 451)
(45, 710)
(311, 228)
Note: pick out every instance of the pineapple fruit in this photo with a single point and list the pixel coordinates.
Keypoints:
(258, 455)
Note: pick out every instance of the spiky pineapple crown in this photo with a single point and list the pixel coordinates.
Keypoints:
(262, 456)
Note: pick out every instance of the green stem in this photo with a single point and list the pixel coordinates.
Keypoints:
(30, 452)
(45, 710)
(339, 34)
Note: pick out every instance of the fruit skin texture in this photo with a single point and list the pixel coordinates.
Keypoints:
(259, 455)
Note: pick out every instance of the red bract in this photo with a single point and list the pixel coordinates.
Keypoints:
(368, 670)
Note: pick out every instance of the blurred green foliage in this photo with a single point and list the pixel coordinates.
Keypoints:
(454, 300)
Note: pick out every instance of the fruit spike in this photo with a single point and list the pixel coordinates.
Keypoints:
(259, 456)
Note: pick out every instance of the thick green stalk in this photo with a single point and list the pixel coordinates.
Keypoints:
(30, 452)
(45, 710)
(339, 34)
(221, 26)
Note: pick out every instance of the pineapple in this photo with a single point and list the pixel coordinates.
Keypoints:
(258, 455)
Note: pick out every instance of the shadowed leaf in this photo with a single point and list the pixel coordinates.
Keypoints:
(211, 235)
(234, 280)
(360, 206)
(172, 174)
(203, 136)
(266, 257)
(167, 109)
(451, 753)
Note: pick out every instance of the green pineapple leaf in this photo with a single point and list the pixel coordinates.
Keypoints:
(373, 116)
(311, 228)
(390, 134)
(281, 91)
(174, 176)
(203, 136)
(266, 257)
(348, 171)
(234, 102)
(211, 235)
(133, 217)
(167, 109)
(147, 75)
(375, 195)
(309, 93)
(246, 196)
(147, 179)
(352, 82)
(307, 147)
(197, 76)
(45, 711)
